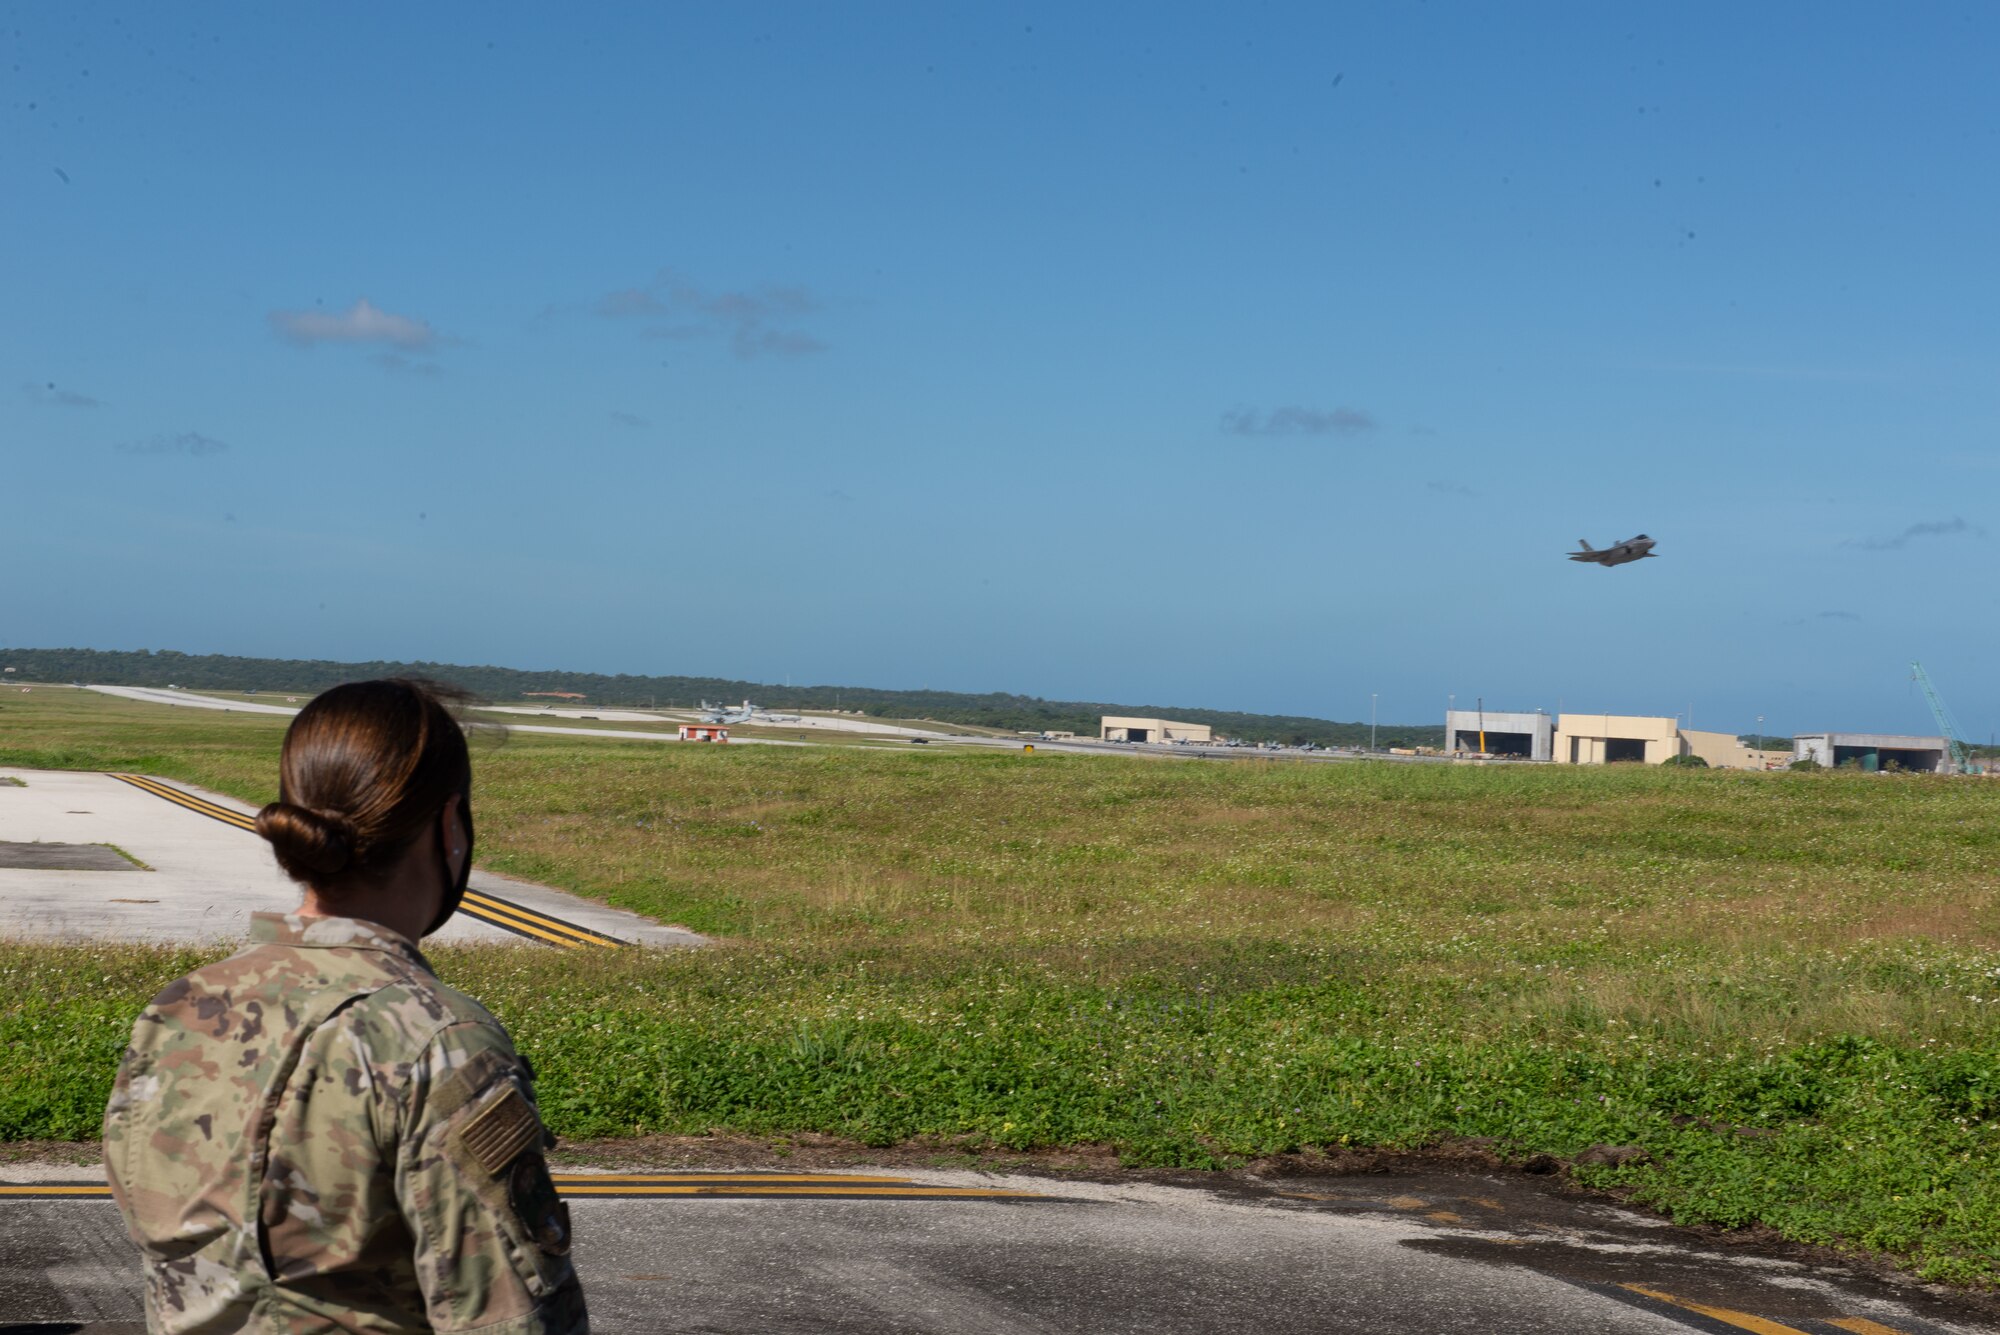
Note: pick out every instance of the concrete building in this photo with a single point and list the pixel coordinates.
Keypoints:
(1724, 750)
(1873, 750)
(1531, 735)
(704, 732)
(1603, 739)
(1113, 729)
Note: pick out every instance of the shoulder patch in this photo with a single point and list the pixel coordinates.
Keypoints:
(468, 1082)
(497, 1133)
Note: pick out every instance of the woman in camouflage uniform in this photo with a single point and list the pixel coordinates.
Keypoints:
(315, 1134)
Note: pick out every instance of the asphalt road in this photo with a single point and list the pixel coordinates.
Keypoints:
(1390, 1255)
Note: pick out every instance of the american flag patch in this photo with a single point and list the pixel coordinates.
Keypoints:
(497, 1133)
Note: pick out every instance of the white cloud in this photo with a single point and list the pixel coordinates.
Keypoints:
(363, 322)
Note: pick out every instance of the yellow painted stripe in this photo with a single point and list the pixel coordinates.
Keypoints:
(190, 801)
(234, 819)
(741, 1189)
(719, 1184)
(499, 912)
(1861, 1325)
(523, 926)
(595, 1179)
(589, 1179)
(582, 935)
(1741, 1320)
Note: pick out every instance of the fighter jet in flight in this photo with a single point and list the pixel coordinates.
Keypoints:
(1632, 549)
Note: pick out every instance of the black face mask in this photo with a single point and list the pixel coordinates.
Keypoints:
(454, 888)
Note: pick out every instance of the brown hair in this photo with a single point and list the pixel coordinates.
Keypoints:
(365, 766)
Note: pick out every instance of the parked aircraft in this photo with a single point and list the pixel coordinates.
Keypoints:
(744, 713)
(1632, 549)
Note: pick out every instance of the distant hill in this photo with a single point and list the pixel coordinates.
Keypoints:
(501, 685)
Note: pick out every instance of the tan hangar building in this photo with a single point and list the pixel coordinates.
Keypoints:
(1604, 739)
(1113, 729)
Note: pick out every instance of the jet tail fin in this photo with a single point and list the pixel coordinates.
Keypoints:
(1585, 545)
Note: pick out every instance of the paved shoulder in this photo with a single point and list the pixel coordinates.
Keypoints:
(138, 858)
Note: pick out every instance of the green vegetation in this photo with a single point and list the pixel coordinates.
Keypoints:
(1785, 988)
(996, 710)
(1685, 762)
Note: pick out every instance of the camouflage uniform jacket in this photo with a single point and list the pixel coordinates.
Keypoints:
(315, 1134)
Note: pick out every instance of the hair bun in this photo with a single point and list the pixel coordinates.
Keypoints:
(308, 843)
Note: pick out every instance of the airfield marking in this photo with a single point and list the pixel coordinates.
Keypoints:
(501, 913)
(1741, 1320)
(656, 1186)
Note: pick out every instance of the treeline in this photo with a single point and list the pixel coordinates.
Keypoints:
(499, 685)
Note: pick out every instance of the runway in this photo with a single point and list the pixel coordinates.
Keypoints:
(195, 700)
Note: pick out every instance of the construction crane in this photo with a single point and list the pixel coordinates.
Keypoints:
(1960, 763)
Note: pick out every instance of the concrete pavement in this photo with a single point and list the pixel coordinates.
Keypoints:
(188, 700)
(776, 719)
(204, 875)
(1391, 1254)
(195, 700)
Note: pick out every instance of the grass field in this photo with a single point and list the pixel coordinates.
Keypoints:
(1785, 988)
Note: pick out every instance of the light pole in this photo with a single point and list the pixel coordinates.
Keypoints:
(1371, 720)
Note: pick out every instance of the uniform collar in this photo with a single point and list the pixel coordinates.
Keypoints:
(296, 929)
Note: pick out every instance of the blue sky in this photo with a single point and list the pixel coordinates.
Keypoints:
(1255, 357)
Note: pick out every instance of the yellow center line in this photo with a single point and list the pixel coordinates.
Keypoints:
(1741, 1320)
(53, 1189)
